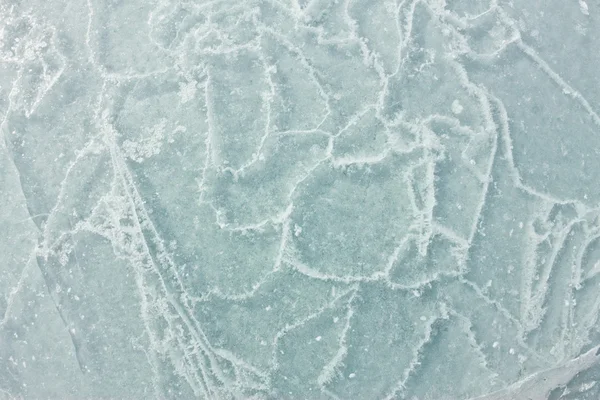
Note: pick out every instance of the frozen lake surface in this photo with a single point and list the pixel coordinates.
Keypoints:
(300, 199)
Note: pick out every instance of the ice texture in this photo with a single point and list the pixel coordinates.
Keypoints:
(300, 199)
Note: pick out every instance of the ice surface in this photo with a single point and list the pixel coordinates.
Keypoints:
(300, 199)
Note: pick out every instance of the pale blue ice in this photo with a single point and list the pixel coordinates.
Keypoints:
(300, 199)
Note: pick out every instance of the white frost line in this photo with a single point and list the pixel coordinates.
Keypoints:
(415, 362)
(312, 273)
(528, 273)
(515, 176)
(491, 302)
(539, 293)
(491, 127)
(595, 270)
(144, 224)
(290, 327)
(468, 330)
(332, 368)
(209, 155)
(539, 385)
(566, 88)
(15, 290)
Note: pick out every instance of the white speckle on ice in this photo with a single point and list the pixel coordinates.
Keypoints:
(457, 108)
(583, 7)
(587, 386)
(297, 230)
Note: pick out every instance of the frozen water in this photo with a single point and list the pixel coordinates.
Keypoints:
(300, 199)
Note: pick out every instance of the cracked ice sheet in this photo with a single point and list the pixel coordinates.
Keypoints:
(295, 199)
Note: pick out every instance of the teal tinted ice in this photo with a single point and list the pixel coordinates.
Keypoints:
(294, 199)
